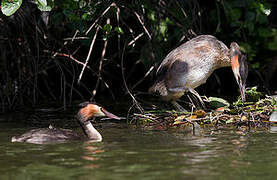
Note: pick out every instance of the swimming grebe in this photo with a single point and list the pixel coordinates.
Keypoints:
(189, 65)
(54, 135)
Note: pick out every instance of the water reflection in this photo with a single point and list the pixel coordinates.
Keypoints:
(90, 150)
(273, 129)
(216, 148)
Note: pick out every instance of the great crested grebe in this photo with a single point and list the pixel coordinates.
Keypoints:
(54, 135)
(189, 65)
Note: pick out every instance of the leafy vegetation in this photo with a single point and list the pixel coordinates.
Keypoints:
(86, 49)
(8, 7)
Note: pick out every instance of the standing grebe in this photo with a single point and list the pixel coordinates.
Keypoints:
(54, 135)
(189, 65)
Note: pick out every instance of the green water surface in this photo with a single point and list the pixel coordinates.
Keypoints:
(128, 153)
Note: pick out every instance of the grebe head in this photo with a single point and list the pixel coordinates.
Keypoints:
(90, 110)
(239, 67)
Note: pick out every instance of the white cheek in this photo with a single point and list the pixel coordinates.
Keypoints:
(236, 71)
(99, 113)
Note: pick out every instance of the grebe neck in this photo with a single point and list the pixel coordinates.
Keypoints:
(91, 132)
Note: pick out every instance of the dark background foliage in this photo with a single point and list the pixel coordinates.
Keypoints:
(43, 53)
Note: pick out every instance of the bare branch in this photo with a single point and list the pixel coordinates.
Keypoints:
(54, 54)
(135, 39)
(149, 36)
(100, 66)
(125, 84)
(104, 12)
(76, 38)
(89, 53)
(146, 74)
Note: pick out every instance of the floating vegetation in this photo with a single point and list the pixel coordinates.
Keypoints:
(221, 114)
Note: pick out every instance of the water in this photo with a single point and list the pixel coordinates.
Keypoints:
(128, 153)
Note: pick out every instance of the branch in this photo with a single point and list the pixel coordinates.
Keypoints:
(143, 25)
(106, 10)
(100, 67)
(89, 53)
(125, 84)
(135, 39)
(54, 54)
(146, 74)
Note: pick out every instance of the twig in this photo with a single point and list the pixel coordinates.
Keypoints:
(149, 36)
(75, 38)
(135, 39)
(100, 64)
(75, 34)
(72, 39)
(89, 53)
(118, 34)
(104, 12)
(144, 116)
(182, 10)
(146, 74)
(71, 57)
(65, 55)
(130, 29)
(125, 84)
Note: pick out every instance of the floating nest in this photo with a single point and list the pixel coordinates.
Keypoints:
(239, 115)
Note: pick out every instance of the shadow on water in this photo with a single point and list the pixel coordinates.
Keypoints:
(139, 154)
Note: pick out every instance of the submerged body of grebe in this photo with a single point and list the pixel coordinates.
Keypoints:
(55, 135)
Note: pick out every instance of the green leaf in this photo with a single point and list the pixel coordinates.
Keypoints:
(108, 28)
(151, 15)
(9, 7)
(163, 28)
(229, 121)
(42, 2)
(119, 30)
(43, 5)
(45, 8)
(84, 16)
(252, 94)
(216, 102)
(82, 4)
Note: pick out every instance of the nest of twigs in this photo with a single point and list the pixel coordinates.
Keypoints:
(249, 115)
